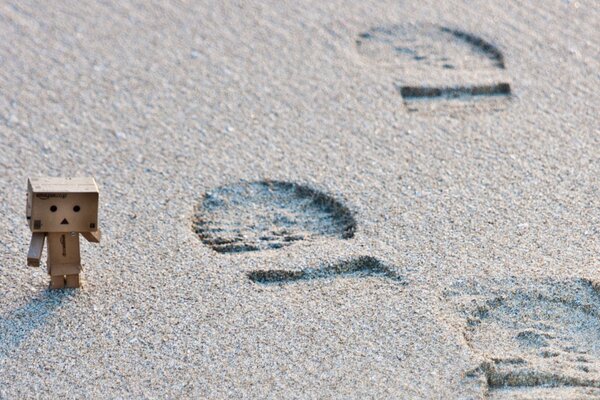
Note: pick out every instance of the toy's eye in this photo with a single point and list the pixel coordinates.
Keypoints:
(76, 208)
(53, 208)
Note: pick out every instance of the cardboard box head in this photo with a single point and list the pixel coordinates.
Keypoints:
(62, 204)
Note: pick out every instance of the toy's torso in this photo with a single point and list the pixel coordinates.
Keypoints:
(63, 253)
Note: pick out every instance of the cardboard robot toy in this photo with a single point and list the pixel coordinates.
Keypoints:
(59, 209)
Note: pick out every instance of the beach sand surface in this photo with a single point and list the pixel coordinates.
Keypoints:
(307, 199)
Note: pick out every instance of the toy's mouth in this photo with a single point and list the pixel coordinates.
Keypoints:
(64, 222)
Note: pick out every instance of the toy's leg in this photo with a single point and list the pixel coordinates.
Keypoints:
(73, 281)
(63, 258)
(57, 281)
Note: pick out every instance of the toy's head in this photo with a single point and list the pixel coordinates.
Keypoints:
(62, 204)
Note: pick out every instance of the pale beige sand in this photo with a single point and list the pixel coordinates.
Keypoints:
(472, 269)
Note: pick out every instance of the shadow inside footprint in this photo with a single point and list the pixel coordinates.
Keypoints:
(362, 266)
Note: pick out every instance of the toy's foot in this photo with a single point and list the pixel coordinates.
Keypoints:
(73, 281)
(57, 282)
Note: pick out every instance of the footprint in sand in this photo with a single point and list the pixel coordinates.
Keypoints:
(428, 46)
(546, 335)
(437, 67)
(251, 216)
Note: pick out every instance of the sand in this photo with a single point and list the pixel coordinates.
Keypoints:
(445, 243)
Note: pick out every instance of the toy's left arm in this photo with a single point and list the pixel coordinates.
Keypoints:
(35, 249)
(93, 237)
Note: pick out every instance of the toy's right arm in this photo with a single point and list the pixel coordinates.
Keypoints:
(35, 249)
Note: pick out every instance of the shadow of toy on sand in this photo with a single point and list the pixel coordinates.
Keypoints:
(17, 325)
